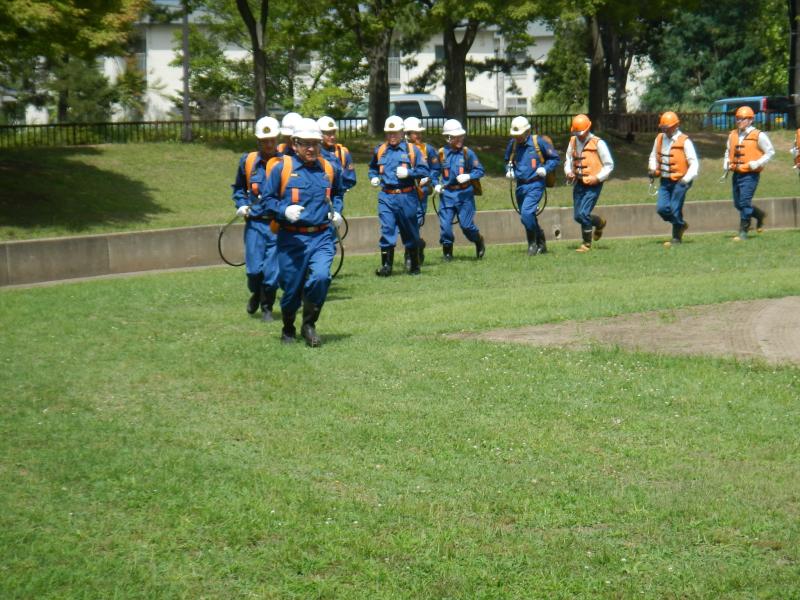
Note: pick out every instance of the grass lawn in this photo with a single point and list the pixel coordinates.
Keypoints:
(124, 187)
(155, 442)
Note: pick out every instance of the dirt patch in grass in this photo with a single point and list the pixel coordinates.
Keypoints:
(760, 329)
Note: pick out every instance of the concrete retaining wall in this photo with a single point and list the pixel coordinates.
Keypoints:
(36, 261)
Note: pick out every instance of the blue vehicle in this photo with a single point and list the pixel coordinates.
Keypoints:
(771, 112)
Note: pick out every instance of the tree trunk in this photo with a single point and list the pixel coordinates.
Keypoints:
(617, 64)
(62, 108)
(187, 125)
(257, 32)
(455, 77)
(598, 76)
(378, 86)
(794, 55)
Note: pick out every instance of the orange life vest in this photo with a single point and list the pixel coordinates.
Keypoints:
(675, 159)
(741, 153)
(587, 163)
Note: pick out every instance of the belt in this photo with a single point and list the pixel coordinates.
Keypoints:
(531, 180)
(304, 229)
(404, 190)
(260, 219)
(459, 186)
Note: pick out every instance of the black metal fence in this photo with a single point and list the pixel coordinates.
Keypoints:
(71, 134)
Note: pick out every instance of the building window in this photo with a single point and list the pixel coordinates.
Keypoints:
(438, 52)
(394, 66)
(519, 69)
(516, 105)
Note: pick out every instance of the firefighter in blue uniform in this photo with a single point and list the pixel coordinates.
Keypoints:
(529, 159)
(301, 191)
(460, 174)
(337, 154)
(260, 252)
(414, 135)
(396, 166)
(288, 123)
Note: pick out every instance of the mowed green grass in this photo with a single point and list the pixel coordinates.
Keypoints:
(155, 442)
(125, 187)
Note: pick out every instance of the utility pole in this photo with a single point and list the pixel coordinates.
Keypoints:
(187, 123)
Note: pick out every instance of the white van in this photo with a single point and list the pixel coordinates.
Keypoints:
(423, 106)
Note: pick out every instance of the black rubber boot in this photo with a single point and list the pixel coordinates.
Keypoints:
(267, 301)
(586, 234)
(387, 260)
(541, 242)
(414, 254)
(407, 259)
(288, 332)
(744, 227)
(760, 215)
(253, 302)
(307, 330)
(599, 223)
(447, 252)
(533, 248)
(480, 247)
(422, 246)
(676, 234)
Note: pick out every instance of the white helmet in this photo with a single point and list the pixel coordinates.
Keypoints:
(289, 122)
(267, 127)
(326, 124)
(519, 125)
(452, 127)
(307, 129)
(413, 124)
(393, 123)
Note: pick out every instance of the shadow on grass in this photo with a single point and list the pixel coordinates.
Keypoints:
(66, 192)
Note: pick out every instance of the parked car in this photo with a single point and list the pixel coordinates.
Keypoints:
(770, 111)
(427, 107)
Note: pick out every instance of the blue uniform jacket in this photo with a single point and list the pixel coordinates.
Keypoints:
(310, 185)
(345, 164)
(454, 162)
(527, 160)
(241, 195)
(393, 158)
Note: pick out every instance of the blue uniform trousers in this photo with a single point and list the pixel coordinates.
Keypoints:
(398, 212)
(305, 267)
(669, 204)
(744, 188)
(461, 202)
(584, 198)
(260, 256)
(528, 197)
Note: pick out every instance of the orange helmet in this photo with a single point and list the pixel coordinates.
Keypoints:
(580, 123)
(744, 112)
(668, 119)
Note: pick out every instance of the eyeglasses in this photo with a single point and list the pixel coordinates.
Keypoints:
(742, 118)
(307, 143)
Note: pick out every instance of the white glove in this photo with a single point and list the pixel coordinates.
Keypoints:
(753, 165)
(243, 210)
(683, 181)
(463, 178)
(540, 172)
(510, 173)
(402, 172)
(375, 181)
(438, 188)
(425, 181)
(337, 219)
(293, 211)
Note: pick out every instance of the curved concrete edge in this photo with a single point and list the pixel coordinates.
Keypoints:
(52, 259)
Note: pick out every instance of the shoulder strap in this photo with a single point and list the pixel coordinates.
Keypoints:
(381, 150)
(441, 150)
(286, 172)
(535, 139)
(412, 155)
(249, 162)
(328, 168)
